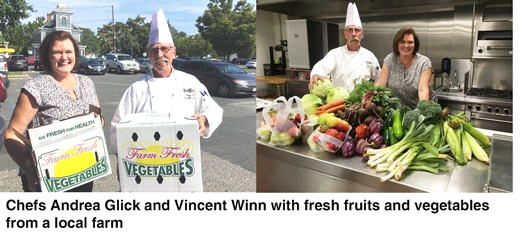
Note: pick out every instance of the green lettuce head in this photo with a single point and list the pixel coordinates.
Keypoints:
(311, 102)
(336, 94)
(322, 88)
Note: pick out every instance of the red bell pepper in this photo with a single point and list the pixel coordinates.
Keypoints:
(362, 131)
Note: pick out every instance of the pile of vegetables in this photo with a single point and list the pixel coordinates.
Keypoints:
(367, 109)
(462, 138)
(371, 122)
(421, 147)
(430, 134)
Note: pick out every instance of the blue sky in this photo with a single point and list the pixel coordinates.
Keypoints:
(182, 14)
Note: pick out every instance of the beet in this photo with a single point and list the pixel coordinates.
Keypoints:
(368, 120)
(370, 109)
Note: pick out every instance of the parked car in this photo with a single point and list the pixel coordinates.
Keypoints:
(4, 85)
(17, 61)
(145, 65)
(251, 64)
(122, 63)
(3, 65)
(239, 61)
(31, 60)
(91, 66)
(102, 61)
(221, 77)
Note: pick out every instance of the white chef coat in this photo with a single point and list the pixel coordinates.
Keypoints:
(179, 93)
(345, 66)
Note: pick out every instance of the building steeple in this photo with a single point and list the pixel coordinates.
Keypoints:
(62, 16)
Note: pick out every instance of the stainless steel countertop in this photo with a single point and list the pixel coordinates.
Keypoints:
(472, 177)
(450, 96)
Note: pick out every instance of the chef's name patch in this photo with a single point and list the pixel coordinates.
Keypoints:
(369, 64)
(189, 93)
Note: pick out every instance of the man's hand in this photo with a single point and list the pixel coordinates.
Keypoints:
(203, 122)
(314, 80)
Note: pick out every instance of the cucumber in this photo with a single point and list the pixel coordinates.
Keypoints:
(397, 126)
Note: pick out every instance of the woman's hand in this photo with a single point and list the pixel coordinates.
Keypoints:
(24, 112)
(383, 77)
(423, 85)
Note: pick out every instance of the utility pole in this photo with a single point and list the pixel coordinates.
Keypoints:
(113, 30)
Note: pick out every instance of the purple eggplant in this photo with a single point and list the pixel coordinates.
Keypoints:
(376, 126)
(382, 146)
(360, 145)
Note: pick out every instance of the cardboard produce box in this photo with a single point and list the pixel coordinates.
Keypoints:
(70, 153)
(159, 153)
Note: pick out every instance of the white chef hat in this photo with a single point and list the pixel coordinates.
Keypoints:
(159, 29)
(352, 16)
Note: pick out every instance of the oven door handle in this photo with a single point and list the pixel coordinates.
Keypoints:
(489, 119)
(499, 47)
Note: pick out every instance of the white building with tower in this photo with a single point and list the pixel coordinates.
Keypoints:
(58, 19)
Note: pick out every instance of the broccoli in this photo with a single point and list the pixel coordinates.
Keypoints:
(431, 110)
(409, 117)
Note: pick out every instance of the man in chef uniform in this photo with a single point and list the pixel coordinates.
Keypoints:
(347, 63)
(166, 90)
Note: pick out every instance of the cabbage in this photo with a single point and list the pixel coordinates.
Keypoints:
(336, 94)
(264, 132)
(313, 119)
(322, 88)
(281, 139)
(311, 102)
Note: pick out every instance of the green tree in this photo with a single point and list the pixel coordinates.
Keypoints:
(105, 38)
(190, 45)
(199, 47)
(132, 37)
(230, 29)
(90, 40)
(12, 12)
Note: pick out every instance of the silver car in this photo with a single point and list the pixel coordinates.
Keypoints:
(121, 63)
(145, 65)
(251, 64)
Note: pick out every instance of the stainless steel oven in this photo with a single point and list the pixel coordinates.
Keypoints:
(490, 109)
(489, 100)
(493, 39)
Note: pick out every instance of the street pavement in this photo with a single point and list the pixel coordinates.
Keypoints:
(228, 157)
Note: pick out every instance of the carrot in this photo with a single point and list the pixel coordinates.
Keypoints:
(333, 104)
(332, 110)
(319, 112)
